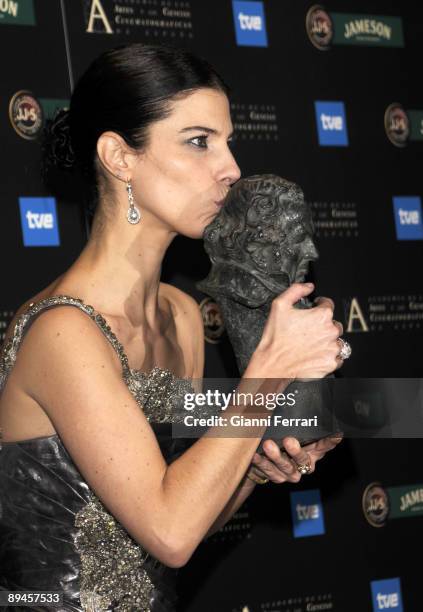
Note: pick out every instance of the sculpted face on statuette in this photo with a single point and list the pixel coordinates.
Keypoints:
(259, 244)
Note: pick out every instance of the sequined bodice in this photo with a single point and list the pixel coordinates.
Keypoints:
(55, 534)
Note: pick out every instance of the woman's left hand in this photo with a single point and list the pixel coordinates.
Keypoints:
(281, 466)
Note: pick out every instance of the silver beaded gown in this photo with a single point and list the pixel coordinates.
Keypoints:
(55, 534)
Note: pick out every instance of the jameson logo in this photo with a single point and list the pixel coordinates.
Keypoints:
(397, 125)
(410, 500)
(51, 105)
(319, 27)
(18, 12)
(26, 115)
(375, 503)
(384, 503)
(325, 29)
(406, 501)
(402, 126)
(416, 124)
(367, 30)
(367, 26)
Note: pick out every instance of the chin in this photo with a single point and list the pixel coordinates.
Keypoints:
(196, 229)
(196, 233)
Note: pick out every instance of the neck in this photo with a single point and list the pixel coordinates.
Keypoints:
(119, 269)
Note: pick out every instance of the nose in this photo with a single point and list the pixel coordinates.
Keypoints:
(311, 249)
(229, 171)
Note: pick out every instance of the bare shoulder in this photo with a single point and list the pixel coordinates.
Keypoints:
(62, 339)
(44, 293)
(66, 325)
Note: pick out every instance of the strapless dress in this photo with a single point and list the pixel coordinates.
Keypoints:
(55, 534)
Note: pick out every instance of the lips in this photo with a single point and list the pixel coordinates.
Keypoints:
(224, 191)
(221, 201)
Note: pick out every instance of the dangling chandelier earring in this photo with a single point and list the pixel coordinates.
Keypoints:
(133, 215)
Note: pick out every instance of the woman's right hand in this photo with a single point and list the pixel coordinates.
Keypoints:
(297, 343)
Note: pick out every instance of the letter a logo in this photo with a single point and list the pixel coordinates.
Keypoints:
(355, 318)
(97, 13)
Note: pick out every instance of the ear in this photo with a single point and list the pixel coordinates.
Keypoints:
(115, 155)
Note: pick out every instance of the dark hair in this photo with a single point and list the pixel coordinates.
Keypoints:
(124, 90)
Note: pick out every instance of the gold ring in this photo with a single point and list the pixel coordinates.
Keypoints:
(304, 468)
(256, 478)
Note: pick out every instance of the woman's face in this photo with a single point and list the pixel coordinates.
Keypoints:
(187, 167)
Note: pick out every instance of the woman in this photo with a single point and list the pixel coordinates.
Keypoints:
(96, 496)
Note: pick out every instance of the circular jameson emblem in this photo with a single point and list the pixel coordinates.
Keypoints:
(26, 115)
(397, 125)
(319, 27)
(376, 504)
(213, 320)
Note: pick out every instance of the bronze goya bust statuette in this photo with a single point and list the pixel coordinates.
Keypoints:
(259, 244)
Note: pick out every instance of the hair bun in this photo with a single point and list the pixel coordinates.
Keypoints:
(56, 145)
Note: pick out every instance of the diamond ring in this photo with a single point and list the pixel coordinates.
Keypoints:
(346, 350)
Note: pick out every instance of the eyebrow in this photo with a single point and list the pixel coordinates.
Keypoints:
(203, 129)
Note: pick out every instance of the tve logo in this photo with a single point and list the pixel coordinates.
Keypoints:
(307, 513)
(331, 124)
(250, 23)
(386, 595)
(39, 222)
(408, 217)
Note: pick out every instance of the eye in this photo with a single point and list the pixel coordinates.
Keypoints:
(201, 141)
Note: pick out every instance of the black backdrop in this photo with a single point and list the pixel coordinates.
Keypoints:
(255, 562)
